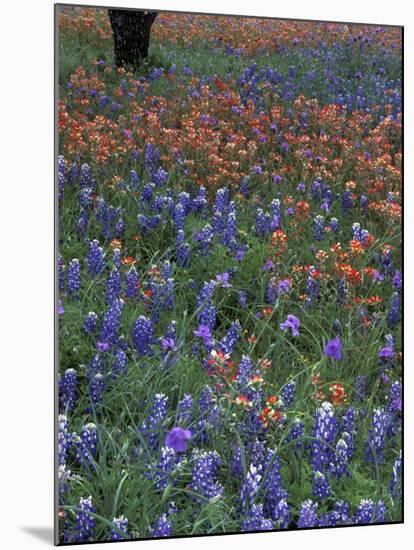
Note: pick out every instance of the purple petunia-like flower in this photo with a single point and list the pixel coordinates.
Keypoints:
(102, 346)
(333, 349)
(284, 286)
(203, 332)
(177, 439)
(223, 279)
(386, 352)
(168, 344)
(292, 323)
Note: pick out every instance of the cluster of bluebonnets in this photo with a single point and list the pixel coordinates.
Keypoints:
(225, 365)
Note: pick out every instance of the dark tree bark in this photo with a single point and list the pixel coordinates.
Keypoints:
(131, 30)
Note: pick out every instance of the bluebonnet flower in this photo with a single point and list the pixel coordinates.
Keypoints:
(64, 475)
(292, 323)
(117, 258)
(67, 390)
(394, 397)
(82, 222)
(394, 315)
(244, 186)
(183, 254)
(151, 426)
(272, 291)
(312, 289)
(148, 223)
(171, 330)
(320, 486)
(377, 435)
(394, 486)
(324, 430)
(204, 299)
(282, 514)
(250, 487)
(296, 433)
(273, 491)
(199, 202)
(184, 410)
(96, 262)
(205, 239)
(341, 458)
(61, 278)
(119, 367)
(89, 323)
(333, 348)
(119, 229)
(160, 177)
(228, 343)
(208, 413)
(318, 228)
(85, 179)
(113, 286)
(162, 527)
(243, 298)
(230, 232)
(386, 262)
(133, 180)
(334, 224)
(348, 420)
(360, 386)
(95, 365)
(120, 529)
(167, 464)
(288, 393)
(86, 444)
(236, 462)
(364, 201)
(142, 335)
(221, 200)
(341, 292)
(255, 520)
(111, 322)
(85, 523)
(179, 217)
(64, 438)
(263, 222)
(369, 512)
(151, 157)
(96, 389)
(397, 280)
(346, 201)
(308, 514)
(73, 275)
(276, 212)
(245, 372)
(257, 455)
(217, 222)
(177, 439)
(204, 475)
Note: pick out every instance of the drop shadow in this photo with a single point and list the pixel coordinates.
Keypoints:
(44, 534)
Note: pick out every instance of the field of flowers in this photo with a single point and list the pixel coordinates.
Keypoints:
(229, 276)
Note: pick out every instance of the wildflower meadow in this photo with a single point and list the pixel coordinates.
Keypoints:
(229, 276)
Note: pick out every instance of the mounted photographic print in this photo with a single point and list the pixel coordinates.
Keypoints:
(229, 274)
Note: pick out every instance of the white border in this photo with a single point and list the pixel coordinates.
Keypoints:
(26, 286)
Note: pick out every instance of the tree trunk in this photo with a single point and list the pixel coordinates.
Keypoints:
(131, 30)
